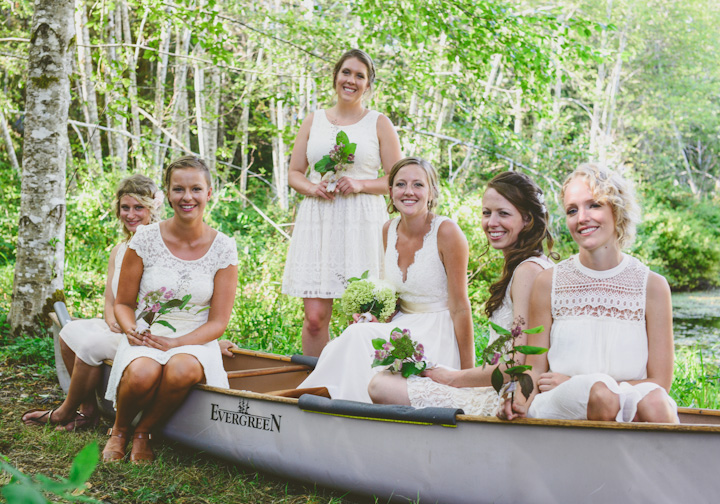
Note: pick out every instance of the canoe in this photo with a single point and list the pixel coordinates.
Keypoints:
(438, 454)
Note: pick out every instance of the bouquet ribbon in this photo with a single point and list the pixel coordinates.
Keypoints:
(409, 307)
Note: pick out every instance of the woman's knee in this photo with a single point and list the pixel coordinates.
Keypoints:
(141, 375)
(183, 371)
(655, 407)
(317, 315)
(603, 404)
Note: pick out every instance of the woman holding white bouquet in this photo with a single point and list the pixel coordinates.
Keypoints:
(426, 258)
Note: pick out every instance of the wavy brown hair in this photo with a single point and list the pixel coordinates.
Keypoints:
(363, 58)
(525, 195)
(143, 189)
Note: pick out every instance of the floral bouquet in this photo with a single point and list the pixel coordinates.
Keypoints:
(400, 353)
(369, 297)
(332, 165)
(158, 303)
(503, 350)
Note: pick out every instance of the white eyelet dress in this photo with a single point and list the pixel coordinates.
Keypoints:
(598, 335)
(484, 401)
(162, 269)
(339, 239)
(345, 363)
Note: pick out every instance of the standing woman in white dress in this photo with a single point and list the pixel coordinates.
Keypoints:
(426, 259)
(515, 222)
(337, 234)
(607, 317)
(85, 343)
(155, 367)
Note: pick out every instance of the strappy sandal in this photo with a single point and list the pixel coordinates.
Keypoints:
(80, 422)
(36, 420)
(115, 450)
(142, 452)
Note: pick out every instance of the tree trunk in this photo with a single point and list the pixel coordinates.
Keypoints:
(277, 114)
(116, 121)
(131, 60)
(179, 127)
(159, 111)
(8, 143)
(245, 120)
(38, 280)
(85, 69)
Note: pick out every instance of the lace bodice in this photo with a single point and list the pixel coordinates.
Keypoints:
(119, 255)
(618, 293)
(363, 133)
(196, 277)
(503, 315)
(426, 278)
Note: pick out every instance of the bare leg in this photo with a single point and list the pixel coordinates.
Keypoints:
(315, 331)
(388, 388)
(68, 356)
(654, 407)
(603, 404)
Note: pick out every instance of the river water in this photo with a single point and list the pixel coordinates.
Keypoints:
(696, 321)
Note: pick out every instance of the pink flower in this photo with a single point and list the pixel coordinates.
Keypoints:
(395, 335)
(155, 308)
(351, 158)
(387, 346)
(169, 294)
(406, 332)
(495, 359)
(162, 289)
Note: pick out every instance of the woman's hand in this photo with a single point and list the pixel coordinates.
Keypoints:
(114, 326)
(347, 185)
(513, 408)
(356, 318)
(320, 191)
(134, 338)
(550, 380)
(441, 375)
(160, 342)
(225, 346)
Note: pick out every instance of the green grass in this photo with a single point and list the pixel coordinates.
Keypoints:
(696, 383)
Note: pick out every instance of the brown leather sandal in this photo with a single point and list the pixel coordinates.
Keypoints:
(142, 451)
(115, 448)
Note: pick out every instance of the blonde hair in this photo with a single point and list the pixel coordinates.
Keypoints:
(144, 190)
(612, 188)
(429, 171)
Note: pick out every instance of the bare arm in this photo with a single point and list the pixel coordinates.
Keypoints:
(389, 155)
(108, 310)
(453, 249)
(658, 320)
(221, 304)
(128, 289)
(299, 165)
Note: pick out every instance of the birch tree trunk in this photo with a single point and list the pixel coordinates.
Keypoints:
(118, 122)
(131, 59)
(85, 69)
(159, 111)
(38, 281)
(8, 143)
(179, 102)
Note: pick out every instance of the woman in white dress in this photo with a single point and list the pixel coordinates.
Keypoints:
(515, 222)
(426, 259)
(607, 317)
(155, 367)
(337, 233)
(86, 343)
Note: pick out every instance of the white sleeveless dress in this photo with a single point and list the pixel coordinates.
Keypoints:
(162, 269)
(425, 392)
(344, 366)
(91, 339)
(598, 334)
(339, 239)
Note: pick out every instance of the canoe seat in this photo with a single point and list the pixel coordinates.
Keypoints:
(247, 373)
(297, 392)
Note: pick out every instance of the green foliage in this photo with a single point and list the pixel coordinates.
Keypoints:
(39, 352)
(696, 382)
(32, 490)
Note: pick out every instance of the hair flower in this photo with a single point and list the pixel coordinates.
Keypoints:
(158, 198)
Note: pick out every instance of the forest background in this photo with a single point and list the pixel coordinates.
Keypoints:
(474, 87)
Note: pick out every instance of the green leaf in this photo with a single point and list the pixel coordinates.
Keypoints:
(377, 343)
(342, 138)
(497, 379)
(365, 274)
(204, 308)
(148, 317)
(516, 370)
(173, 303)
(534, 330)
(500, 330)
(409, 368)
(530, 350)
(24, 494)
(350, 148)
(166, 324)
(526, 384)
(185, 300)
(84, 464)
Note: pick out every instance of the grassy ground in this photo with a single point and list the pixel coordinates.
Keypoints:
(178, 475)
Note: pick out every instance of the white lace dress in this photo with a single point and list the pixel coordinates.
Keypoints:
(339, 239)
(162, 269)
(345, 363)
(91, 339)
(598, 334)
(424, 392)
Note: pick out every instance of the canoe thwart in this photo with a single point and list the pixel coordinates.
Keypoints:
(306, 360)
(386, 412)
(318, 391)
(266, 371)
(61, 312)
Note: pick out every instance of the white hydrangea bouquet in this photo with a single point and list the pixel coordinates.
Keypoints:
(369, 297)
